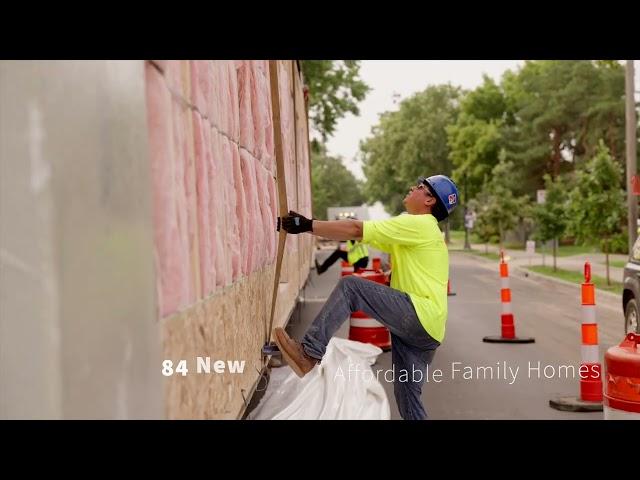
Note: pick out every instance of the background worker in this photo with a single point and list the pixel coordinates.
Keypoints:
(357, 254)
(414, 308)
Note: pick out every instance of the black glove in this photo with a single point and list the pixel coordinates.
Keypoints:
(295, 223)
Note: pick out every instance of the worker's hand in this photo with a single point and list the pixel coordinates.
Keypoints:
(295, 223)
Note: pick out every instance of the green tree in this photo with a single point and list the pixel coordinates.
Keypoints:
(525, 216)
(335, 88)
(487, 102)
(409, 143)
(597, 203)
(474, 150)
(551, 216)
(333, 185)
(502, 208)
(605, 117)
(484, 228)
(560, 110)
(475, 139)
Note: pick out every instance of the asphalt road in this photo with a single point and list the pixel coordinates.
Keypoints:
(471, 379)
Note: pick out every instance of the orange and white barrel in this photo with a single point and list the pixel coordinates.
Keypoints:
(347, 269)
(622, 373)
(376, 263)
(362, 327)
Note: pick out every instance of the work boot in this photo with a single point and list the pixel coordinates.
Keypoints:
(293, 353)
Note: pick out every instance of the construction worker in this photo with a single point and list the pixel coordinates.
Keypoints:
(414, 308)
(357, 254)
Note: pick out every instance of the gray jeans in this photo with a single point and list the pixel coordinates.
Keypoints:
(412, 348)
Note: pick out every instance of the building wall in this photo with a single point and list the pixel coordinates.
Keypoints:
(78, 336)
(138, 204)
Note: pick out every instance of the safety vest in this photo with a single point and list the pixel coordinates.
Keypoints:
(356, 251)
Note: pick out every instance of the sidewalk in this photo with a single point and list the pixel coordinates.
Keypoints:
(520, 258)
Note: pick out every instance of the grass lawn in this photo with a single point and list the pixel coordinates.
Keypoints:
(457, 235)
(578, 278)
(562, 251)
(616, 263)
(568, 250)
(490, 255)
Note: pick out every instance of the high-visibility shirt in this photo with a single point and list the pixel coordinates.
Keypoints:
(355, 251)
(420, 264)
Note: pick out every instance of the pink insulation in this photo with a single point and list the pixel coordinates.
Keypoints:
(207, 269)
(220, 214)
(270, 160)
(258, 109)
(201, 85)
(168, 199)
(262, 116)
(242, 211)
(216, 219)
(181, 156)
(173, 75)
(233, 102)
(266, 185)
(233, 238)
(177, 75)
(214, 112)
(161, 64)
(220, 96)
(191, 192)
(255, 230)
(246, 117)
(215, 202)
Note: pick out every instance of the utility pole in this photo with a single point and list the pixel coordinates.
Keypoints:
(631, 140)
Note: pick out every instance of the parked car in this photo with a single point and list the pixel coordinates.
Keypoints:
(631, 290)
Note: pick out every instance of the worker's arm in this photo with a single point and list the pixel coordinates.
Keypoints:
(333, 230)
(338, 229)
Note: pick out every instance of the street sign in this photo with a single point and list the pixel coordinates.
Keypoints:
(469, 219)
(531, 247)
(635, 185)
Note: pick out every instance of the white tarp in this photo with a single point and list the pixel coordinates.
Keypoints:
(342, 387)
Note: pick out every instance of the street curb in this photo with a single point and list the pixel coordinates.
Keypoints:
(462, 250)
(473, 254)
(565, 282)
(531, 273)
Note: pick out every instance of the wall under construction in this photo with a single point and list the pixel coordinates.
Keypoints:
(138, 206)
(212, 151)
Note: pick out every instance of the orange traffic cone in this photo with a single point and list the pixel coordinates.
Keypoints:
(508, 328)
(590, 399)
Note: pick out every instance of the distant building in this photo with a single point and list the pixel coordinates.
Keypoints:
(340, 213)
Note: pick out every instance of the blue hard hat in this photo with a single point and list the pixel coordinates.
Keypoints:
(446, 191)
